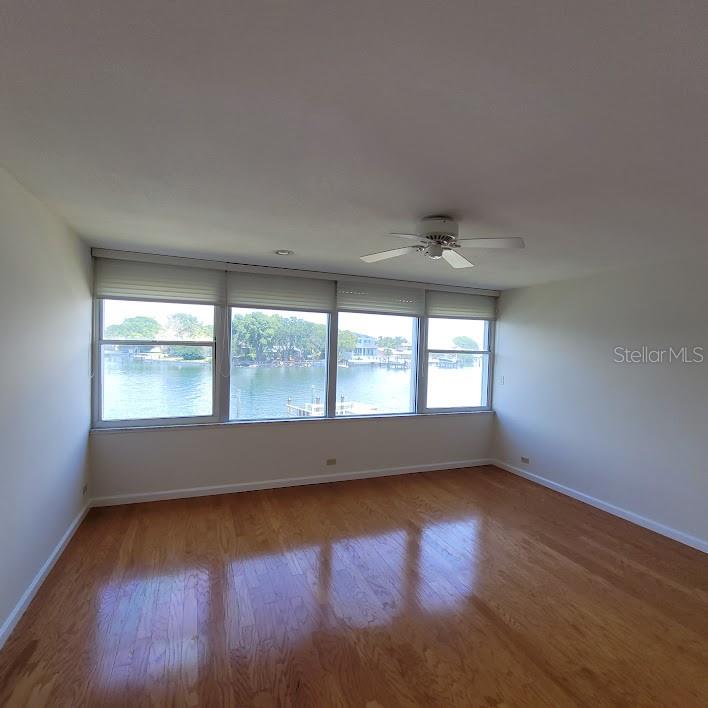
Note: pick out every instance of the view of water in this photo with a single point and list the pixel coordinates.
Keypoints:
(135, 388)
(263, 392)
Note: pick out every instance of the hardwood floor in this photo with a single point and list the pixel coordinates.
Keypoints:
(454, 588)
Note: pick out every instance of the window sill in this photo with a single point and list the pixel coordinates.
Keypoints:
(285, 421)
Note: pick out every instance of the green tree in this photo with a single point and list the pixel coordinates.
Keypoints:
(464, 342)
(237, 329)
(257, 336)
(288, 337)
(182, 325)
(346, 342)
(253, 335)
(187, 353)
(261, 337)
(317, 340)
(391, 342)
(134, 328)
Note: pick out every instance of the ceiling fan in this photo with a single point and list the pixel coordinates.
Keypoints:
(438, 238)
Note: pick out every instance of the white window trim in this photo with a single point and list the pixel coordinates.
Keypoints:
(221, 373)
(415, 372)
(97, 376)
(331, 317)
(487, 370)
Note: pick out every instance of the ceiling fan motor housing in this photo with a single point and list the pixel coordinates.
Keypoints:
(439, 229)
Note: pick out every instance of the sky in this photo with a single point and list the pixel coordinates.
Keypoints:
(115, 311)
(440, 332)
(377, 325)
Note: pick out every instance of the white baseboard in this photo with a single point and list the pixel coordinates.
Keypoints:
(19, 609)
(282, 482)
(680, 536)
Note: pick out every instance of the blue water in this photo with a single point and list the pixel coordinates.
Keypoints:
(263, 392)
(133, 388)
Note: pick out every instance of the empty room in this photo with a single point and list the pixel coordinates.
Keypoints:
(353, 354)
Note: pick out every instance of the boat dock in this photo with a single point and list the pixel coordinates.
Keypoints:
(317, 409)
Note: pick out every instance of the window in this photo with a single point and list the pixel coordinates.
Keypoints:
(178, 341)
(278, 364)
(376, 364)
(457, 363)
(156, 360)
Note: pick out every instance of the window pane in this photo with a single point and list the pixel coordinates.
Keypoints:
(141, 381)
(375, 364)
(125, 319)
(278, 364)
(456, 334)
(457, 380)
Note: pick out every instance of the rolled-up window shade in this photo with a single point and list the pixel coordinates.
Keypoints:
(138, 280)
(448, 304)
(386, 299)
(280, 292)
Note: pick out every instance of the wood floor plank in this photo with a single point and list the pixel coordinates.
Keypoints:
(452, 588)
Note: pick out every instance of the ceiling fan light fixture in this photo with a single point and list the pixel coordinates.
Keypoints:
(434, 251)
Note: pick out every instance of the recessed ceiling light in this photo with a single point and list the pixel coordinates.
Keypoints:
(284, 252)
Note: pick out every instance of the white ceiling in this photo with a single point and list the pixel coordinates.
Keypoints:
(230, 129)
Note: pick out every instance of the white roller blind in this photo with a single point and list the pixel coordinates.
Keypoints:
(138, 280)
(280, 292)
(392, 300)
(444, 304)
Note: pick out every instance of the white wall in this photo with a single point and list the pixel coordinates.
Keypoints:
(634, 436)
(45, 320)
(143, 462)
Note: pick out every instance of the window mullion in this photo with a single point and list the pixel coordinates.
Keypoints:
(422, 368)
(222, 362)
(96, 367)
(458, 351)
(490, 333)
(332, 343)
(158, 342)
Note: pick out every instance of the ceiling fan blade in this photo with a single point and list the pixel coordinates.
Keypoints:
(411, 237)
(456, 260)
(383, 255)
(513, 242)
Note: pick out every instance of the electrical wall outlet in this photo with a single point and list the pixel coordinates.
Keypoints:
(525, 460)
(331, 461)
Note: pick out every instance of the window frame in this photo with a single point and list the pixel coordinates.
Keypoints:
(221, 362)
(415, 370)
(229, 320)
(487, 368)
(97, 375)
